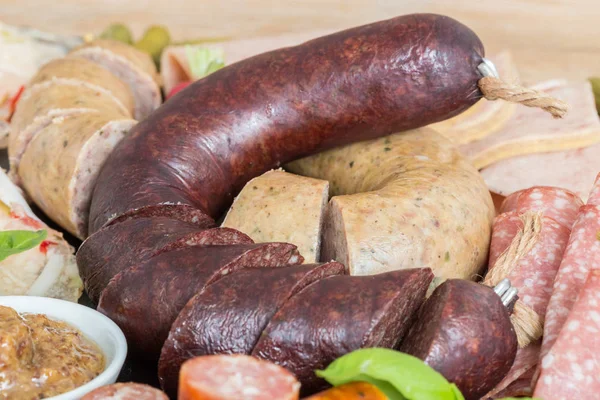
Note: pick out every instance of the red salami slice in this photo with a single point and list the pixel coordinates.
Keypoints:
(533, 271)
(125, 391)
(570, 369)
(581, 256)
(522, 368)
(556, 203)
(522, 387)
(235, 377)
(594, 197)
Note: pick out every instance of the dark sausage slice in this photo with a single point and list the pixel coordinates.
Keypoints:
(201, 146)
(125, 391)
(117, 247)
(464, 332)
(180, 212)
(229, 316)
(338, 315)
(145, 299)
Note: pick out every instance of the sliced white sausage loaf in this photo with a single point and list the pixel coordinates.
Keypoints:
(81, 69)
(59, 97)
(132, 66)
(282, 207)
(61, 164)
(403, 201)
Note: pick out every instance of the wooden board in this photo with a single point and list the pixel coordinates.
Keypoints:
(550, 38)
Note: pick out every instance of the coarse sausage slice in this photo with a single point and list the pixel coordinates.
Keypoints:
(82, 70)
(235, 377)
(117, 247)
(570, 369)
(282, 207)
(340, 314)
(349, 86)
(146, 298)
(464, 332)
(61, 163)
(125, 391)
(229, 316)
(559, 204)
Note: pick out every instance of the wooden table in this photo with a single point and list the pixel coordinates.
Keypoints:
(550, 38)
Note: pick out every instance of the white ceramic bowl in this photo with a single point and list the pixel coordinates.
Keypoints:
(94, 325)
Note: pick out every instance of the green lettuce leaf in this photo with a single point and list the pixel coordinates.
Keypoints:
(204, 61)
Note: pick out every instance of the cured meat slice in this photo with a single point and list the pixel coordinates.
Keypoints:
(531, 130)
(340, 314)
(262, 210)
(229, 316)
(559, 204)
(145, 299)
(111, 250)
(235, 377)
(522, 387)
(581, 256)
(570, 369)
(521, 370)
(125, 391)
(594, 197)
(577, 171)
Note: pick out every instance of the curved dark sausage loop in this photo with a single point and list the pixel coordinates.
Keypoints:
(144, 300)
(117, 247)
(340, 314)
(229, 316)
(464, 332)
(198, 149)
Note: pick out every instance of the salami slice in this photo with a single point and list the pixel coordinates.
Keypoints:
(521, 387)
(594, 197)
(522, 369)
(125, 391)
(145, 299)
(235, 377)
(570, 369)
(581, 255)
(229, 315)
(556, 203)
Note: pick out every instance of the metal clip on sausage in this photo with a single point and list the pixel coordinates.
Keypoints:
(508, 293)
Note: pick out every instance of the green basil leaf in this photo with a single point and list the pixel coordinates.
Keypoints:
(14, 242)
(204, 61)
(410, 377)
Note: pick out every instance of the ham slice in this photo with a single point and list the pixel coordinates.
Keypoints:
(531, 130)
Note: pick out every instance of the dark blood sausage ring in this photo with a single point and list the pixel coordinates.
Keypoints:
(161, 188)
(195, 152)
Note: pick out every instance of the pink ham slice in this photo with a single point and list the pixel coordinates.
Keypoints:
(571, 369)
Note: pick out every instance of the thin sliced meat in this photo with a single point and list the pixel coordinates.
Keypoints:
(594, 197)
(531, 130)
(229, 316)
(340, 314)
(557, 203)
(235, 377)
(522, 368)
(118, 247)
(574, 170)
(521, 387)
(571, 368)
(581, 256)
(125, 391)
(145, 299)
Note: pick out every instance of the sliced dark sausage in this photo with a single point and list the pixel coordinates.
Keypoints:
(340, 314)
(145, 299)
(229, 316)
(201, 146)
(464, 332)
(117, 247)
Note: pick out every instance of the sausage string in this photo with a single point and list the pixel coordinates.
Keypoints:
(493, 88)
